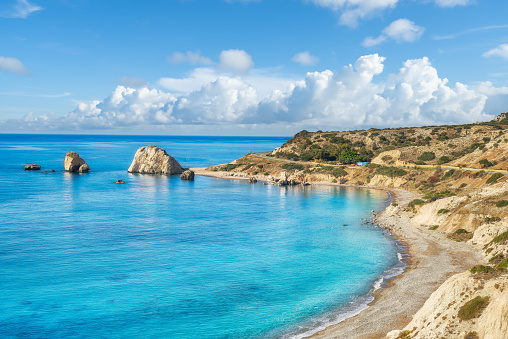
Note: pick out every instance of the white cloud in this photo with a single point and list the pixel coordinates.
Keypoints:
(353, 10)
(402, 30)
(453, 3)
(305, 58)
(350, 98)
(198, 78)
(235, 60)
(193, 58)
(499, 51)
(12, 65)
(21, 9)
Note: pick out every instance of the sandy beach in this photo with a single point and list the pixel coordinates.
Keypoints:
(432, 259)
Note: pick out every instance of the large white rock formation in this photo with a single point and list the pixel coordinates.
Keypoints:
(154, 160)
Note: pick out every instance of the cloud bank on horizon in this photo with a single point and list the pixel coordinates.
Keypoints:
(349, 98)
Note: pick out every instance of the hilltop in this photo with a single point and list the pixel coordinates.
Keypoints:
(459, 177)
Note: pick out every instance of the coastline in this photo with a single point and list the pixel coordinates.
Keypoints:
(432, 258)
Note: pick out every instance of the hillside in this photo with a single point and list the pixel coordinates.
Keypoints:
(460, 175)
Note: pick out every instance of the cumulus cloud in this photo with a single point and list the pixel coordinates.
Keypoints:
(12, 65)
(193, 58)
(354, 10)
(19, 9)
(235, 60)
(499, 51)
(453, 3)
(402, 30)
(353, 97)
(305, 58)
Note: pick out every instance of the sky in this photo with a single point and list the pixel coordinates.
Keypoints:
(249, 67)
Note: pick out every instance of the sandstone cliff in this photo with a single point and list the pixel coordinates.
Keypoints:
(154, 160)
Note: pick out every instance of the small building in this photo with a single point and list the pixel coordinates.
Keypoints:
(362, 164)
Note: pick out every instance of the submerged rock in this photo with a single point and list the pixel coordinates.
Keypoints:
(253, 180)
(154, 160)
(73, 163)
(187, 175)
(32, 167)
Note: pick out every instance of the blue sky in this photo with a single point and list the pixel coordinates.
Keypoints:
(249, 67)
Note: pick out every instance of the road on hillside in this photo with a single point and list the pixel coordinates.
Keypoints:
(264, 155)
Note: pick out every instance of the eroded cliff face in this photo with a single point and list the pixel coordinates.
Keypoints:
(450, 312)
(154, 160)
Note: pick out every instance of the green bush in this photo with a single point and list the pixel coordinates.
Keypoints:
(448, 174)
(391, 172)
(486, 163)
(493, 178)
(427, 156)
(461, 231)
(433, 228)
(339, 172)
(444, 159)
(503, 264)
(229, 167)
(472, 335)
(443, 211)
(481, 269)
(473, 308)
(463, 185)
(415, 202)
(501, 237)
(394, 204)
(293, 167)
(488, 220)
(502, 203)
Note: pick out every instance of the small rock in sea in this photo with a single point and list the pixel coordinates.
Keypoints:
(32, 167)
(45, 171)
(344, 225)
(120, 181)
(253, 180)
(73, 163)
(52, 170)
(187, 175)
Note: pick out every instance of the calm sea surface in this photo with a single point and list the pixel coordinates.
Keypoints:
(158, 257)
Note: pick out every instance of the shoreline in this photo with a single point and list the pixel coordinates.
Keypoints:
(431, 259)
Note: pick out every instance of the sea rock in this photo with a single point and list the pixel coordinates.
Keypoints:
(187, 175)
(154, 160)
(253, 180)
(32, 167)
(73, 163)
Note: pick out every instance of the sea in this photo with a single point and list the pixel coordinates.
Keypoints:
(158, 257)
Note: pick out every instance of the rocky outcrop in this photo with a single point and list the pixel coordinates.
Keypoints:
(154, 160)
(73, 163)
(32, 167)
(253, 180)
(187, 175)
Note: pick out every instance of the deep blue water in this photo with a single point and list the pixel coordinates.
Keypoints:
(83, 257)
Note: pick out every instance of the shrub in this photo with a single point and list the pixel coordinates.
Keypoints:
(427, 156)
(502, 203)
(493, 178)
(433, 228)
(500, 238)
(461, 231)
(230, 167)
(433, 179)
(293, 167)
(486, 163)
(488, 220)
(443, 160)
(260, 166)
(503, 264)
(415, 202)
(391, 171)
(481, 269)
(339, 172)
(443, 211)
(386, 158)
(463, 185)
(247, 167)
(473, 308)
(394, 204)
(448, 174)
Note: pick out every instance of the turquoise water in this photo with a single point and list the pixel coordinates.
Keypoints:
(83, 257)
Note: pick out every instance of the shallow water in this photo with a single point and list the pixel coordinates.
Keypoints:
(81, 256)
